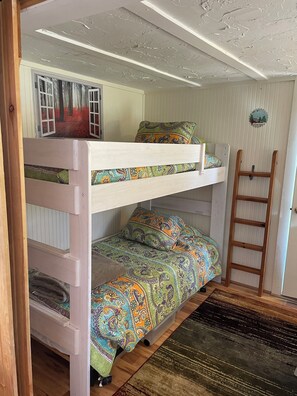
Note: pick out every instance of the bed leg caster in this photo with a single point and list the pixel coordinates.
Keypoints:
(97, 379)
(202, 289)
(102, 381)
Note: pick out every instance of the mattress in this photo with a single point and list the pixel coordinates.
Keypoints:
(155, 284)
(115, 175)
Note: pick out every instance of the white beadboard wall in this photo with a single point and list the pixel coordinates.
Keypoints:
(222, 115)
(123, 109)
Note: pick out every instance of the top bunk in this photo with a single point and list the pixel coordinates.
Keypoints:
(80, 157)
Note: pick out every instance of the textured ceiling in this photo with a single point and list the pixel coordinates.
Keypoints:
(260, 33)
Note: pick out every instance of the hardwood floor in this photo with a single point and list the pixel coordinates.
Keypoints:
(51, 372)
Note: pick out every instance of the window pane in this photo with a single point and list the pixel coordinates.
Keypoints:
(44, 127)
(97, 119)
(49, 88)
(96, 110)
(50, 101)
(51, 126)
(42, 85)
(50, 114)
(43, 113)
(43, 99)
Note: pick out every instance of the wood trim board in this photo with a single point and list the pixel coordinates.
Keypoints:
(62, 197)
(55, 153)
(55, 327)
(184, 205)
(115, 195)
(8, 377)
(11, 130)
(54, 262)
(113, 155)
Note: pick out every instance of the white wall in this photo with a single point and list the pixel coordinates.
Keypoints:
(222, 114)
(123, 109)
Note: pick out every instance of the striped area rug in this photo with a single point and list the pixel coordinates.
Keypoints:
(231, 345)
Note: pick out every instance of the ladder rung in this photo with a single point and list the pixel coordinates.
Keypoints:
(254, 174)
(251, 199)
(249, 246)
(250, 222)
(245, 268)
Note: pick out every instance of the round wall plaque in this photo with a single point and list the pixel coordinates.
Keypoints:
(258, 118)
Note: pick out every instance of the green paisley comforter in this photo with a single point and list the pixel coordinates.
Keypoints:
(155, 284)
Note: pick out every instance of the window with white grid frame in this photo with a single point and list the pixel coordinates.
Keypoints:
(94, 113)
(46, 106)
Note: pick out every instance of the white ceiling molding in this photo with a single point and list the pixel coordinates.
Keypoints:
(155, 15)
(121, 58)
(54, 12)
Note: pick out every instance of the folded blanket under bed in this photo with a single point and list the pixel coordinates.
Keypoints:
(45, 287)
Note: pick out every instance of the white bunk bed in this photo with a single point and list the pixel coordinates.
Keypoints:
(81, 199)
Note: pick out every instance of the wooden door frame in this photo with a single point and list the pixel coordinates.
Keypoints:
(8, 378)
(11, 131)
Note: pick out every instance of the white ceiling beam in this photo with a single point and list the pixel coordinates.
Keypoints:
(155, 15)
(112, 55)
(54, 12)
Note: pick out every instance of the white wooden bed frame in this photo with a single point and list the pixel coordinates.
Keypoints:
(80, 199)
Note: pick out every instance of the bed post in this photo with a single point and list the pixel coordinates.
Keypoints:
(80, 297)
(218, 202)
(202, 159)
(146, 205)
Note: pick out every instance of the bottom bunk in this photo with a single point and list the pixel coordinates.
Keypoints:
(154, 284)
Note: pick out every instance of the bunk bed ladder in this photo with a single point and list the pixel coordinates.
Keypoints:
(252, 223)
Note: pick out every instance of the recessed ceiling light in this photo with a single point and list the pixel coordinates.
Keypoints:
(112, 55)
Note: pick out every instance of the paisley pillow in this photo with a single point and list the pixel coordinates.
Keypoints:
(211, 161)
(158, 231)
(190, 234)
(197, 140)
(190, 231)
(165, 132)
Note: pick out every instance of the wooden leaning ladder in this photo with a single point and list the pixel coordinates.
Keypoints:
(235, 220)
